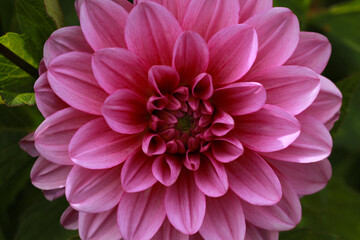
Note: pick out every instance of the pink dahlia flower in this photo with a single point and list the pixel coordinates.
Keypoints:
(183, 119)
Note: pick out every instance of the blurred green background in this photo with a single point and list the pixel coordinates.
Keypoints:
(333, 213)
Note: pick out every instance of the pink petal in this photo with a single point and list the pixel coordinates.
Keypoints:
(224, 218)
(222, 123)
(278, 32)
(185, 204)
(168, 232)
(313, 51)
(136, 174)
(253, 233)
(47, 175)
(53, 194)
(249, 8)
(123, 3)
(70, 76)
(69, 219)
(153, 144)
(267, 130)
(103, 23)
(93, 191)
(53, 136)
(191, 55)
(314, 143)
(166, 169)
(125, 112)
(27, 144)
(280, 217)
(292, 88)
(211, 177)
(232, 53)
(176, 7)
(226, 149)
(192, 160)
(240, 98)
(63, 40)
(94, 226)
(327, 104)
(42, 67)
(116, 68)
(96, 146)
(252, 179)
(155, 40)
(202, 86)
(46, 100)
(305, 178)
(163, 79)
(208, 17)
(140, 215)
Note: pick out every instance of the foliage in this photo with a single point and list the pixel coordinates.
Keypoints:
(25, 25)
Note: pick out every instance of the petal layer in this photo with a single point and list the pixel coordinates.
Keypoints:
(313, 51)
(305, 178)
(53, 136)
(249, 8)
(116, 68)
(125, 112)
(327, 105)
(240, 98)
(224, 218)
(281, 217)
(46, 100)
(191, 55)
(211, 177)
(47, 175)
(278, 32)
(252, 179)
(267, 130)
(185, 204)
(94, 226)
(103, 23)
(253, 232)
(292, 88)
(136, 174)
(96, 146)
(63, 40)
(232, 53)
(70, 76)
(313, 144)
(148, 216)
(168, 232)
(155, 40)
(208, 17)
(93, 191)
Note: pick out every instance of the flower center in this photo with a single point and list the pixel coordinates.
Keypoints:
(185, 124)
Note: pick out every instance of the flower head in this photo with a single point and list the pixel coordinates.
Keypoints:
(183, 119)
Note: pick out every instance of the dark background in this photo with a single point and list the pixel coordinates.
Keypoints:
(333, 213)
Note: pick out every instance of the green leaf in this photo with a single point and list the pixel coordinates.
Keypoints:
(15, 123)
(299, 7)
(335, 211)
(348, 87)
(16, 85)
(307, 234)
(342, 22)
(7, 16)
(18, 99)
(36, 23)
(16, 43)
(41, 222)
(54, 10)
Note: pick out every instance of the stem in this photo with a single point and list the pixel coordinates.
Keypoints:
(18, 61)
